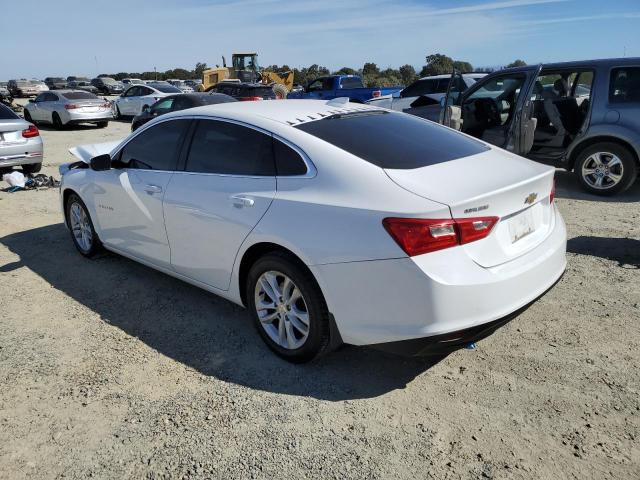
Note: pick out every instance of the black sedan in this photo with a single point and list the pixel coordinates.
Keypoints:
(181, 101)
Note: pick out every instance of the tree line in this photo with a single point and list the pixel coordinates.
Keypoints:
(372, 75)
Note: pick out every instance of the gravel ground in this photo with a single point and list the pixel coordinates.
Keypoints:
(109, 369)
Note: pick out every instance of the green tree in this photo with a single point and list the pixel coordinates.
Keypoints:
(407, 74)
(437, 64)
(199, 69)
(517, 63)
(346, 71)
(462, 67)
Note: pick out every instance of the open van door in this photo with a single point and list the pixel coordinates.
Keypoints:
(450, 112)
(524, 125)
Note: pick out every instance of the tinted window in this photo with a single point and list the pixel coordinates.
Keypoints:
(156, 148)
(213, 99)
(6, 113)
(163, 105)
(132, 92)
(288, 161)
(393, 140)
(257, 92)
(624, 86)
(227, 148)
(165, 88)
(426, 87)
(78, 95)
(41, 98)
(352, 82)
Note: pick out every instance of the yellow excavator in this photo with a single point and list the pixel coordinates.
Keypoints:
(244, 68)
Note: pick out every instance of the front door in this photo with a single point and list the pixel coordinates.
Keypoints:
(128, 198)
(227, 185)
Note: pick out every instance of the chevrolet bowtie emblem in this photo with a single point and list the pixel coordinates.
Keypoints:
(531, 198)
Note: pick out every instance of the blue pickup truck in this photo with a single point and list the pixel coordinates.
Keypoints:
(334, 86)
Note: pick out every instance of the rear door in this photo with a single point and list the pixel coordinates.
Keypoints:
(227, 185)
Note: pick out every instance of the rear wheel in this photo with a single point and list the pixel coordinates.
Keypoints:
(27, 117)
(280, 91)
(606, 168)
(118, 114)
(31, 168)
(82, 232)
(288, 308)
(57, 123)
(102, 124)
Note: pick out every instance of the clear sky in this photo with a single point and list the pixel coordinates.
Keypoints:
(69, 37)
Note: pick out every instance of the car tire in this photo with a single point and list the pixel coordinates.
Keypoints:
(118, 114)
(102, 124)
(81, 227)
(302, 299)
(57, 123)
(27, 117)
(31, 168)
(595, 174)
(280, 91)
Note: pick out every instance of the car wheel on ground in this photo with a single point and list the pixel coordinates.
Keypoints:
(280, 91)
(606, 168)
(81, 227)
(102, 124)
(118, 114)
(288, 308)
(31, 168)
(27, 117)
(57, 123)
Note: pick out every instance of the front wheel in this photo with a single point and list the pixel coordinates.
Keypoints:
(57, 123)
(606, 168)
(31, 168)
(288, 308)
(82, 232)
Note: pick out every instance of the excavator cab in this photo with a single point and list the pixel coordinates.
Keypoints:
(245, 67)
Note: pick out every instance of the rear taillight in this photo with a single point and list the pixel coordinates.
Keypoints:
(552, 195)
(106, 105)
(71, 106)
(30, 132)
(249, 99)
(376, 94)
(418, 235)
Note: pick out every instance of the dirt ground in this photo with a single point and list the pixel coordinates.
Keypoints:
(111, 370)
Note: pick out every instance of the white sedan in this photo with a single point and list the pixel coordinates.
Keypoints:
(330, 222)
(135, 98)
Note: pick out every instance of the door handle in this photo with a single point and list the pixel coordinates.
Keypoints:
(241, 201)
(151, 189)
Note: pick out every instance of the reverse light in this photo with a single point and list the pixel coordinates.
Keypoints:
(419, 235)
(30, 132)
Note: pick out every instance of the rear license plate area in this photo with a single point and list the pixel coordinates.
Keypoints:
(521, 225)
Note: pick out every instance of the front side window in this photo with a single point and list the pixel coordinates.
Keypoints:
(132, 92)
(230, 149)
(156, 148)
(624, 85)
(162, 106)
(423, 87)
(41, 98)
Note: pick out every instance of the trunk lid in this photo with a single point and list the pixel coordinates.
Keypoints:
(494, 183)
(11, 132)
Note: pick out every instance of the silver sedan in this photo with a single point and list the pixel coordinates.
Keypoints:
(68, 107)
(20, 142)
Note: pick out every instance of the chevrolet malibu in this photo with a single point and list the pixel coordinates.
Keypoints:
(330, 222)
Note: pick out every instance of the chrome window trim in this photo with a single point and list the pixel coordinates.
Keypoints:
(311, 168)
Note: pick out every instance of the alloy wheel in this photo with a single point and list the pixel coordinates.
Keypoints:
(602, 170)
(282, 310)
(80, 226)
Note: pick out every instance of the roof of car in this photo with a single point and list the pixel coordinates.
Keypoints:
(577, 64)
(290, 112)
(448, 75)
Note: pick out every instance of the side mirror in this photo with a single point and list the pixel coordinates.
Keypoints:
(146, 109)
(101, 163)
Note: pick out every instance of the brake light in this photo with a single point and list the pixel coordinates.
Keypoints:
(71, 106)
(249, 99)
(376, 93)
(552, 195)
(418, 235)
(30, 132)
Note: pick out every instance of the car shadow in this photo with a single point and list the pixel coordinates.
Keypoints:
(199, 329)
(624, 251)
(82, 126)
(567, 186)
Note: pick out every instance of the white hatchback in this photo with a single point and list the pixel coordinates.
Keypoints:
(331, 222)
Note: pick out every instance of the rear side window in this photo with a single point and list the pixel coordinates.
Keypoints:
(156, 148)
(425, 87)
(351, 82)
(288, 161)
(624, 86)
(393, 140)
(230, 149)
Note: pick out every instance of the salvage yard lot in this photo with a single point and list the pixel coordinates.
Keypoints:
(112, 370)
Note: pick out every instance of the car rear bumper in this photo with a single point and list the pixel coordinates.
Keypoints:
(27, 153)
(20, 159)
(438, 293)
(92, 117)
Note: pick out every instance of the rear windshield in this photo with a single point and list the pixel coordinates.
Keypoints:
(351, 82)
(165, 88)
(393, 140)
(257, 92)
(6, 113)
(213, 99)
(78, 95)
